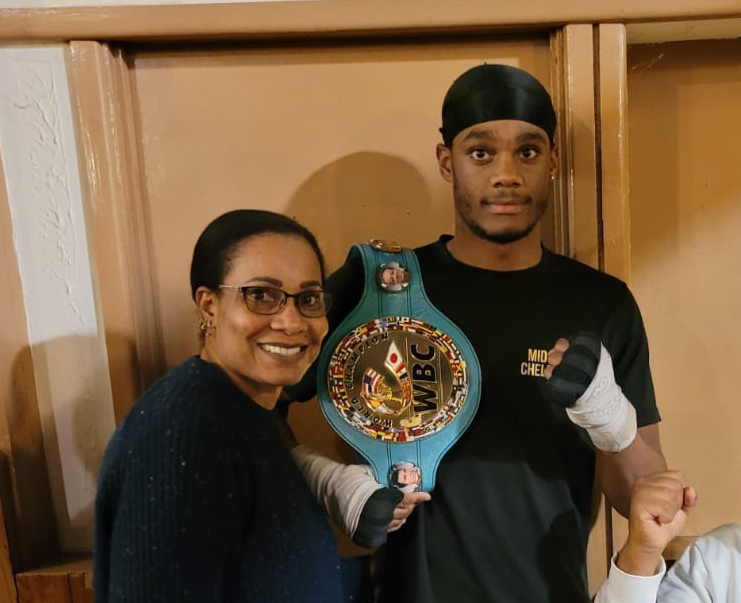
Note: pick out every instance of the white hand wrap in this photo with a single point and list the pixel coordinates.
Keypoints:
(342, 489)
(603, 410)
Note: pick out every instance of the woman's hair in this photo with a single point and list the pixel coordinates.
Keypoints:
(215, 247)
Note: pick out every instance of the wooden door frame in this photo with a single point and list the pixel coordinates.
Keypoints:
(338, 18)
(113, 191)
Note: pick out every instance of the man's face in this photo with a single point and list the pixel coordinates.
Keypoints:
(407, 477)
(394, 276)
(501, 172)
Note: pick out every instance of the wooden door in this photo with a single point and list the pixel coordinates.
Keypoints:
(685, 214)
(342, 138)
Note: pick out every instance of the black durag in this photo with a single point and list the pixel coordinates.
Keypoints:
(492, 92)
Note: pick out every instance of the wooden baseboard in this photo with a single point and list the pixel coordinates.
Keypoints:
(67, 580)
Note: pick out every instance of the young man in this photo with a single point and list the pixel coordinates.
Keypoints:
(512, 508)
(709, 571)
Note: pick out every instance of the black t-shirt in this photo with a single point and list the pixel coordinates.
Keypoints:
(510, 512)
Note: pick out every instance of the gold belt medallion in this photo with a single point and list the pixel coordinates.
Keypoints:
(397, 379)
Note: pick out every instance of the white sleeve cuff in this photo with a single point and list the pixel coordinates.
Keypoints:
(627, 588)
(342, 489)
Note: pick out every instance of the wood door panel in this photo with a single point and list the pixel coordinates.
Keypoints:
(685, 218)
(342, 138)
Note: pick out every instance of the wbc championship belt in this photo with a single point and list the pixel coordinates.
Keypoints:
(397, 379)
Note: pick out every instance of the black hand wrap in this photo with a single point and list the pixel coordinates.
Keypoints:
(376, 516)
(571, 378)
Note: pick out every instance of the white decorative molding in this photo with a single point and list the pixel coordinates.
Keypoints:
(64, 325)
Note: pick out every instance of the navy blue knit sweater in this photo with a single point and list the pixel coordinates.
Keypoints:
(199, 500)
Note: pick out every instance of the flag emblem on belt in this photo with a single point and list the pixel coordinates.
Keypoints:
(397, 379)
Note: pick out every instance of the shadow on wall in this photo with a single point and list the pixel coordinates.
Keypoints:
(126, 373)
(76, 422)
(353, 199)
(368, 195)
(24, 480)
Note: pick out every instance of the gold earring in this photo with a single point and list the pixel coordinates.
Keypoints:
(207, 328)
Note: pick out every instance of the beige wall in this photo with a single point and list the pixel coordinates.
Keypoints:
(341, 137)
(685, 199)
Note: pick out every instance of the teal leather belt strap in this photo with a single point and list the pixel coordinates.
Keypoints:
(397, 379)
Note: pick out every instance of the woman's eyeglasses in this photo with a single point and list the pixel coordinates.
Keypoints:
(271, 300)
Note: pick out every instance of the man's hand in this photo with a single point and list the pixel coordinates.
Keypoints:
(658, 511)
(581, 379)
(405, 507)
(555, 356)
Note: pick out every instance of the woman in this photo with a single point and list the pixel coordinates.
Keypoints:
(198, 498)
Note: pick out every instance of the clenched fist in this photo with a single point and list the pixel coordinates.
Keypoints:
(658, 510)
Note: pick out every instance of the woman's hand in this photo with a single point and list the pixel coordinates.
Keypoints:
(405, 507)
